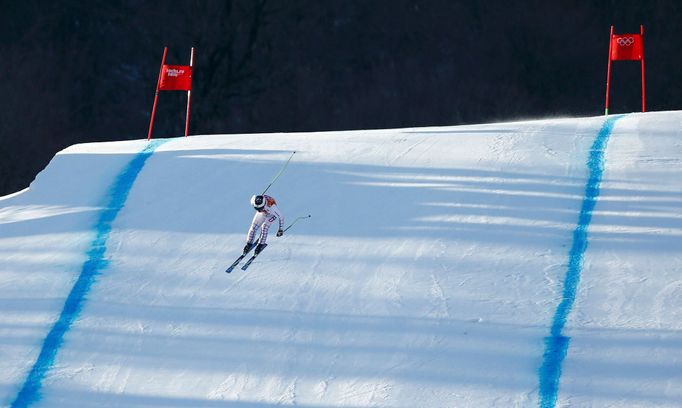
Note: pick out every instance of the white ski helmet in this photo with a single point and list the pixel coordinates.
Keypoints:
(258, 202)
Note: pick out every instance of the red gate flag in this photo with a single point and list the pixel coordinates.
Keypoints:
(176, 78)
(173, 78)
(627, 47)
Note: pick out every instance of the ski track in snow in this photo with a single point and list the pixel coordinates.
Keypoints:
(30, 392)
(427, 275)
(556, 345)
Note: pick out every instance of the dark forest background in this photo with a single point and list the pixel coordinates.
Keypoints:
(79, 71)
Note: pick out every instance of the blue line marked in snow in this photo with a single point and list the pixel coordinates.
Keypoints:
(556, 345)
(96, 262)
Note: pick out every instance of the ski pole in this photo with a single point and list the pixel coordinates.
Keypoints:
(280, 172)
(295, 221)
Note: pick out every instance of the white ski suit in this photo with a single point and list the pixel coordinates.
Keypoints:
(263, 220)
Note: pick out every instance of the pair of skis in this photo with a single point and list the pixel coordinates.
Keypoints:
(248, 262)
(241, 257)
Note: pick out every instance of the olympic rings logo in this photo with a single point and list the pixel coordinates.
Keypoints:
(625, 41)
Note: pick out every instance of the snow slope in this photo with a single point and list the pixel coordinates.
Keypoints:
(429, 275)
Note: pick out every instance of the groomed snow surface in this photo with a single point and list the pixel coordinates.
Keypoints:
(429, 274)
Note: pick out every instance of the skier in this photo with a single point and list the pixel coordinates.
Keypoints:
(266, 213)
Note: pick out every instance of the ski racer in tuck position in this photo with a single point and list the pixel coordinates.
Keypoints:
(266, 214)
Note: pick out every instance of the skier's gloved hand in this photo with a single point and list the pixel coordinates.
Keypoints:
(259, 248)
(280, 233)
